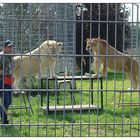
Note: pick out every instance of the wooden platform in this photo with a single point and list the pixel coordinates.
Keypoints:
(19, 107)
(121, 103)
(125, 104)
(24, 95)
(70, 108)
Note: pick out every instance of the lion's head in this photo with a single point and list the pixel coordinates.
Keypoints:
(94, 44)
(51, 47)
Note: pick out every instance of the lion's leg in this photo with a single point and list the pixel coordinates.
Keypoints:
(135, 81)
(17, 80)
(104, 70)
(97, 68)
(131, 78)
(136, 76)
(41, 70)
(52, 70)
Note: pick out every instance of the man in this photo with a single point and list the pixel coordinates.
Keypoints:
(6, 79)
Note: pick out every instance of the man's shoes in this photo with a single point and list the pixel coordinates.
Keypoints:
(5, 122)
(5, 126)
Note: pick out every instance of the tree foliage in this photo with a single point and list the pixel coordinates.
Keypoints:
(26, 21)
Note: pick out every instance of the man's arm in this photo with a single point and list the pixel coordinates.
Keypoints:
(1, 65)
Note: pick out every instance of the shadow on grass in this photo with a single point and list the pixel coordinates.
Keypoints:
(70, 116)
(121, 112)
(116, 76)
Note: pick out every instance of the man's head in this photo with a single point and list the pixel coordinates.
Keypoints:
(8, 46)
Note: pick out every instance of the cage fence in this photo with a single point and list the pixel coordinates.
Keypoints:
(76, 69)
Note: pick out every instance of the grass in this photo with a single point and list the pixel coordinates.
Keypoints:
(111, 121)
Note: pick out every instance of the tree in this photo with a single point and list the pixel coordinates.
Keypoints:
(26, 24)
(107, 21)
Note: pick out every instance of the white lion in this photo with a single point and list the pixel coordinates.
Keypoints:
(36, 61)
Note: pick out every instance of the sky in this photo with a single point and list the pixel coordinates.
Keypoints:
(134, 12)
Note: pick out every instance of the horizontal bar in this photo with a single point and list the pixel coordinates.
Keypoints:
(74, 90)
(66, 20)
(71, 55)
(71, 124)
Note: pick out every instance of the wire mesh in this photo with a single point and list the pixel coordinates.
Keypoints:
(80, 98)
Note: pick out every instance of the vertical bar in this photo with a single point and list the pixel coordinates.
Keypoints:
(91, 80)
(81, 97)
(115, 71)
(106, 101)
(138, 13)
(98, 55)
(102, 106)
(73, 81)
(41, 92)
(55, 82)
(123, 71)
(131, 82)
(65, 68)
(48, 97)
(138, 58)
(47, 93)
(21, 66)
(30, 73)
(72, 71)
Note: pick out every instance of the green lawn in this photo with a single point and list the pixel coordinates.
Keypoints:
(111, 121)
